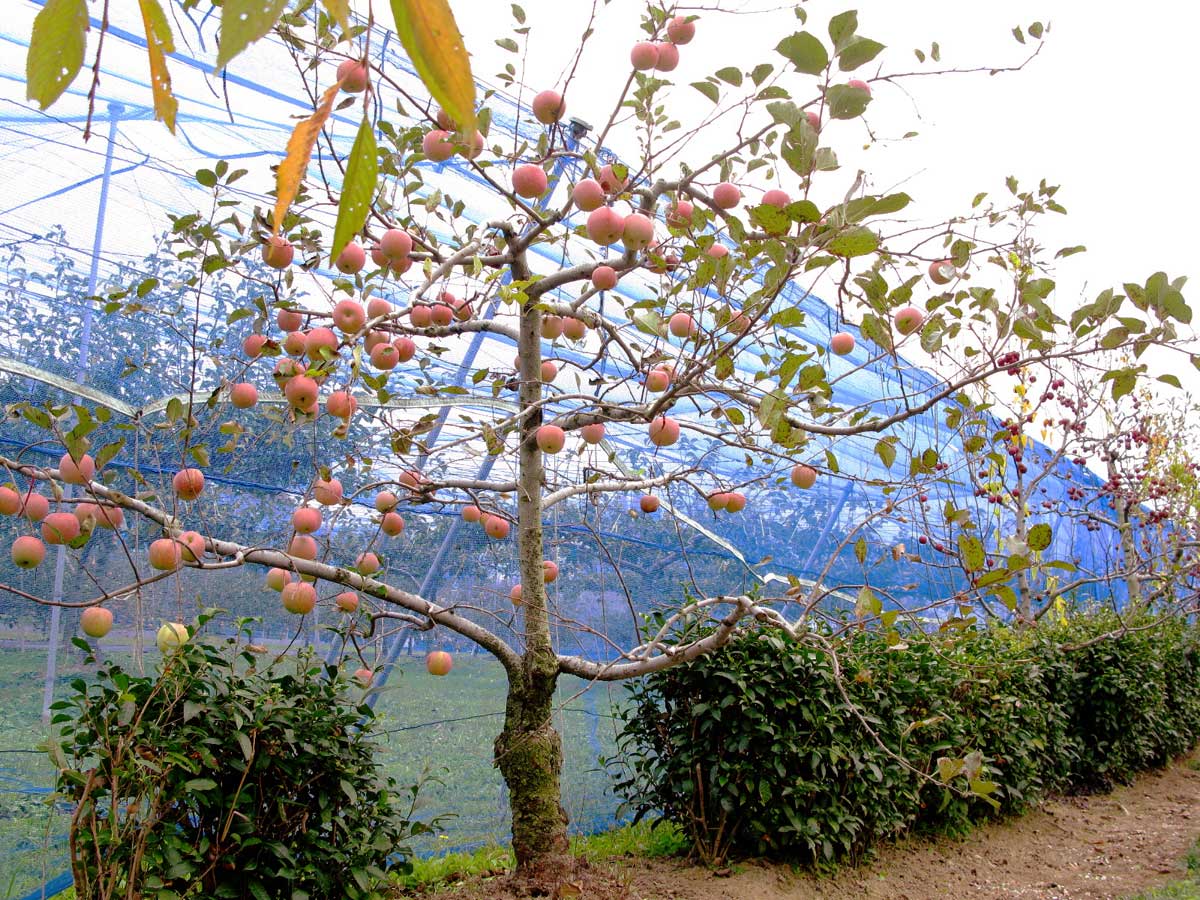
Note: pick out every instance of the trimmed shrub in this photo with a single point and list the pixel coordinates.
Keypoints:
(218, 778)
(776, 747)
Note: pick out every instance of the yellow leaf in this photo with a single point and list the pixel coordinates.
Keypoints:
(339, 11)
(299, 151)
(434, 44)
(159, 43)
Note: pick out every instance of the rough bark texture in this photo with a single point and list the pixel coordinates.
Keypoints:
(529, 750)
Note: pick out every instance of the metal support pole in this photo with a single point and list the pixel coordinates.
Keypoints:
(85, 338)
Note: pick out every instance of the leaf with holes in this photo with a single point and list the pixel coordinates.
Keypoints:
(1039, 536)
(242, 23)
(971, 551)
(56, 48)
(362, 173)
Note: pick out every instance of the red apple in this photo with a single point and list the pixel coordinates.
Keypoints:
(668, 57)
(611, 181)
(392, 524)
(349, 316)
(804, 476)
(191, 547)
(10, 501)
(299, 597)
(514, 594)
(363, 676)
(549, 571)
(165, 554)
(549, 371)
(471, 513)
(341, 404)
(439, 662)
(438, 145)
(385, 357)
(321, 343)
(942, 271)
(860, 85)
(908, 319)
(497, 527)
(301, 391)
(648, 503)
(405, 348)
(188, 483)
(420, 316)
(367, 563)
(679, 214)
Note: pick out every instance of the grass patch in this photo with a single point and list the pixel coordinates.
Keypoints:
(643, 839)
(1186, 889)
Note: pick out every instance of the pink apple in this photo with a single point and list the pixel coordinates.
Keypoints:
(28, 552)
(644, 56)
(549, 571)
(347, 601)
(73, 472)
(549, 371)
(367, 563)
(392, 524)
(253, 345)
(405, 349)
(353, 76)
(679, 214)
(776, 197)
(908, 319)
(497, 527)
(320, 344)
(860, 85)
(10, 501)
(681, 325)
(718, 251)
(278, 578)
(420, 316)
(514, 594)
(588, 195)
(386, 501)
(188, 483)
(302, 546)
(663, 431)
(165, 554)
(529, 181)
(377, 307)
(60, 528)
(438, 145)
(604, 278)
(681, 30)
(593, 433)
(439, 662)
(668, 57)
(191, 546)
(384, 357)
(243, 395)
(657, 381)
(942, 271)
(294, 344)
(842, 343)
(301, 391)
(814, 119)
(363, 676)
(328, 493)
(548, 107)
(604, 225)
(395, 244)
(471, 513)
(298, 598)
(726, 195)
(289, 320)
(306, 520)
(735, 503)
(349, 316)
(611, 181)
(441, 314)
(550, 438)
(638, 231)
(573, 328)
(351, 260)
(341, 404)
(552, 327)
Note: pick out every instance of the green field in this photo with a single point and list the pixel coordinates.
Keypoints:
(440, 728)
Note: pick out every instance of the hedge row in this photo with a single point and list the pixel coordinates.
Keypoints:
(755, 750)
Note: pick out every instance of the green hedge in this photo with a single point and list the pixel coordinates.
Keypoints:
(755, 750)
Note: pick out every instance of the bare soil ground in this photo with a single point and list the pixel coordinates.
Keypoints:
(1076, 848)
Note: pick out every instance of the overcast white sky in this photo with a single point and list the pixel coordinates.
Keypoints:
(1107, 110)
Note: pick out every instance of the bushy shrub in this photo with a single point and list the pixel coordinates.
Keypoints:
(229, 774)
(787, 748)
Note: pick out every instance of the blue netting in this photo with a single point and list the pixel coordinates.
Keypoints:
(79, 220)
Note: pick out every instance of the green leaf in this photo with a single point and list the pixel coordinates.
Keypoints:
(199, 784)
(860, 550)
(804, 51)
(867, 604)
(435, 47)
(886, 452)
(1039, 537)
(846, 102)
(857, 53)
(730, 75)
(842, 28)
(56, 48)
(971, 551)
(242, 23)
(339, 11)
(358, 190)
(760, 73)
(708, 89)
(1122, 383)
(1171, 380)
(853, 242)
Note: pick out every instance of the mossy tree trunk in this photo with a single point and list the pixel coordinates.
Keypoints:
(529, 750)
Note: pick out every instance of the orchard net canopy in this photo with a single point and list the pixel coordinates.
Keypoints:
(96, 314)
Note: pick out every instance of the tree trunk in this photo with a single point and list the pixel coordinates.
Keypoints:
(529, 756)
(529, 750)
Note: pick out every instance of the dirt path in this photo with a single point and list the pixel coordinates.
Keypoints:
(1081, 847)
